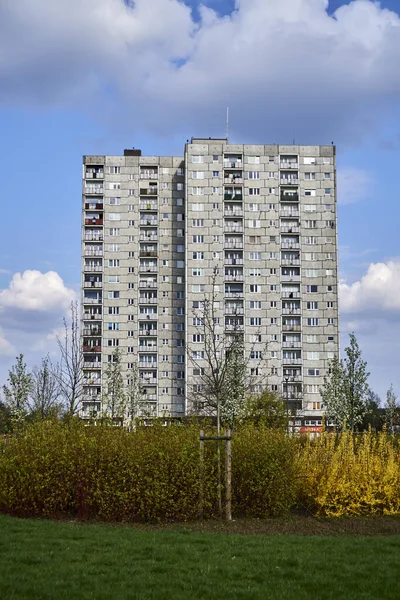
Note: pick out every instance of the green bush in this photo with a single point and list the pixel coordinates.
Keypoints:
(51, 469)
(263, 471)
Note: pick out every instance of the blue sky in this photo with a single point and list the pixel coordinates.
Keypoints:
(95, 76)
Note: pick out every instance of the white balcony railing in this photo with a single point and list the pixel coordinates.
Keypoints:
(290, 245)
(290, 261)
(289, 165)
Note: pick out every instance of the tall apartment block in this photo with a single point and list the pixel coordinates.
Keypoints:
(257, 223)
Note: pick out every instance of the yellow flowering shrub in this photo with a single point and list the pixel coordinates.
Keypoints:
(350, 474)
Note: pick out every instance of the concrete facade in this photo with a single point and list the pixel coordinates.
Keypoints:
(258, 222)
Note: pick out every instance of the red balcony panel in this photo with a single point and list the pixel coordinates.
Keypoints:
(93, 221)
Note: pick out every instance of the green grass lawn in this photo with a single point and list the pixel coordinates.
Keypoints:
(44, 559)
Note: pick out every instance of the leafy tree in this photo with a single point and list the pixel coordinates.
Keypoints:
(266, 408)
(345, 389)
(392, 417)
(114, 396)
(5, 419)
(332, 394)
(16, 393)
(45, 393)
(373, 416)
(70, 372)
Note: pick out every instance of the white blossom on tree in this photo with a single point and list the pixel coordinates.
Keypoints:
(16, 391)
(345, 389)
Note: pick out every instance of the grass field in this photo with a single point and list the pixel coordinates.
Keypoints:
(51, 560)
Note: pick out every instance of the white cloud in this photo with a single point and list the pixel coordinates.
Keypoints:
(6, 348)
(32, 309)
(36, 291)
(353, 184)
(285, 68)
(377, 290)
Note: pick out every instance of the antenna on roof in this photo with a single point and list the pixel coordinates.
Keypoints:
(227, 123)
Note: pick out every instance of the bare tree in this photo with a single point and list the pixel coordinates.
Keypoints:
(45, 392)
(70, 372)
(223, 377)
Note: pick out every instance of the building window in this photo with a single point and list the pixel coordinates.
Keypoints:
(313, 322)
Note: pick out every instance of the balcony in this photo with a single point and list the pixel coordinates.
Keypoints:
(295, 278)
(148, 284)
(91, 348)
(235, 212)
(89, 331)
(288, 165)
(91, 381)
(290, 228)
(238, 277)
(147, 253)
(147, 380)
(292, 361)
(153, 316)
(95, 190)
(92, 284)
(236, 294)
(294, 344)
(148, 223)
(148, 237)
(93, 268)
(151, 191)
(290, 261)
(148, 268)
(149, 174)
(238, 180)
(297, 377)
(234, 327)
(94, 173)
(152, 300)
(290, 295)
(233, 163)
(93, 221)
(236, 244)
(233, 197)
(291, 311)
(289, 213)
(148, 348)
(88, 316)
(289, 197)
(289, 327)
(94, 252)
(152, 206)
(92, 301)
(290, 245)
(234, 310)
(233, 261)
(94, 206)
(93, 237)
(289, 181)
(236, 228)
